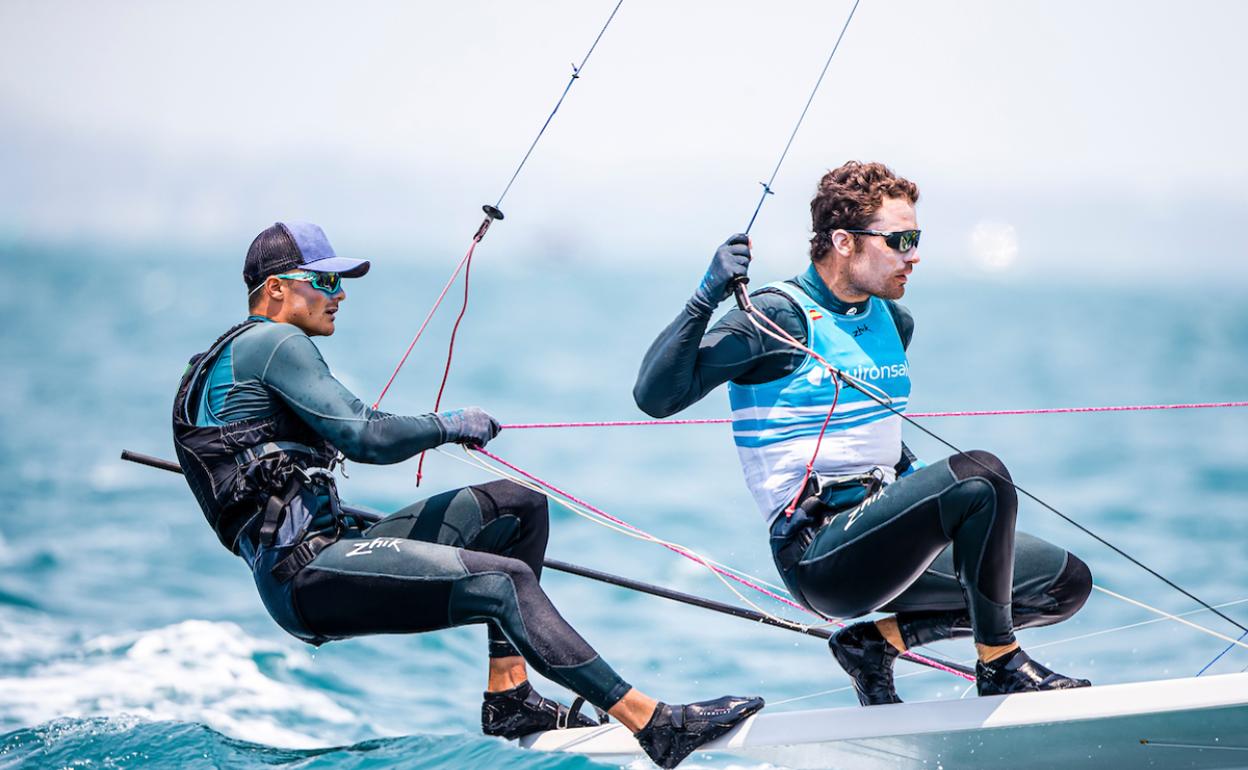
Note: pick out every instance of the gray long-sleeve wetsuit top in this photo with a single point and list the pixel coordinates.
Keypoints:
(276, 363)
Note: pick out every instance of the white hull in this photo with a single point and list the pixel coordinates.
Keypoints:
(1187, 723)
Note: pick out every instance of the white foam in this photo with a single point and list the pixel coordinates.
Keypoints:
(194, 671)
(25, 635)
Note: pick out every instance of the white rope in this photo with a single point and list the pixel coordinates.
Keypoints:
(1169, 616)
(1115, 629)
(772, 704)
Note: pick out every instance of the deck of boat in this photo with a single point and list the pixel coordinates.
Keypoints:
(1176, 723)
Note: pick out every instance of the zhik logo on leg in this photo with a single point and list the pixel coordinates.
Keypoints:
(365, 547)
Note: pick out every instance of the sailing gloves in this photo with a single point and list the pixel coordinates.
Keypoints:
(731, 261)
(470, 426)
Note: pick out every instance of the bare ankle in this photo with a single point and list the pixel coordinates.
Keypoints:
(634, 709)
(990, 652)
(506, 673)
(891, 632)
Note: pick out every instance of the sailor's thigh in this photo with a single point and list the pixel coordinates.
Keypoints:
(378, 585)
(451, 518)
(863, 559)
(1037, 564)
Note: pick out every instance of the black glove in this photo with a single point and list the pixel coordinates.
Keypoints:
(731, 261)
(471, 426)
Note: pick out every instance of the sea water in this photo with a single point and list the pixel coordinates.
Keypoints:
(130, 638)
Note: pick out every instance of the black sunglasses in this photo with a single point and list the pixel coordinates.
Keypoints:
(901, 240)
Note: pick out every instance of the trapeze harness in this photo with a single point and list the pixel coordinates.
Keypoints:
(265, 484)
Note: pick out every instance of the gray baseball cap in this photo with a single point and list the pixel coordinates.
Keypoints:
(295, 246)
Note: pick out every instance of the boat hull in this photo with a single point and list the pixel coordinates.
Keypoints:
(1178, 723)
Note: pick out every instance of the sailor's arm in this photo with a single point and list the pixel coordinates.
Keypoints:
(686, 361)
(299, 376)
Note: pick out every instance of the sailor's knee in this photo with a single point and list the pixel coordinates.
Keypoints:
(982, 465)
(519, 574)
(978, 462)
(512, 499)
(1072, 587)
(535, 505)
(494, 588)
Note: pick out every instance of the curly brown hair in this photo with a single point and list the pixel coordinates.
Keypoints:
(848, 198)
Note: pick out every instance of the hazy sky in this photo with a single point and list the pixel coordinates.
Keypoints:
(1095, 137)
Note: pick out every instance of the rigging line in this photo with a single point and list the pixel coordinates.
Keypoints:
(477, 462)
(976, 413)
(1102, 632)
(1176, 618)
(720, 574)
(645, 536)
(1128, 626)
(1218, 657)
(494, 212)
(681, 550)
(855, 383)
(491, 214)
(696, 558)
(425, 323)
(1117, 629)
(576, 73)
(767, 185)
(547, 490)
(772, 704)
(450, 353)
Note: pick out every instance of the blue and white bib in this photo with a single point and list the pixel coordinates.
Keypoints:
(776, 424)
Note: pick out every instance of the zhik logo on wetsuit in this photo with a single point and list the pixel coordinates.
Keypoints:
(365, 547)
(857, 511)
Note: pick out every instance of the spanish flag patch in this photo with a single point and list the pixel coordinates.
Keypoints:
(815, 315)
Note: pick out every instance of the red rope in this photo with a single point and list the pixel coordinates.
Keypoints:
(450, 350)
(467, 258)
(810, 466)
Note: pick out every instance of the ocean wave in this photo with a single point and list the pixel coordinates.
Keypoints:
(132, 742)
(191, 671)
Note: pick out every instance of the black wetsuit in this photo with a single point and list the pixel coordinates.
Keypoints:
(937, 545)
(471, 555)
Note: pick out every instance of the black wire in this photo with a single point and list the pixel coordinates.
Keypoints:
(576, 73)
(767, 185)
(850, 382)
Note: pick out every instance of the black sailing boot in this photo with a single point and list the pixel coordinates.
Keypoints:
(675, 732)
(521, 710)
(1017, 672)
(868, 658)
